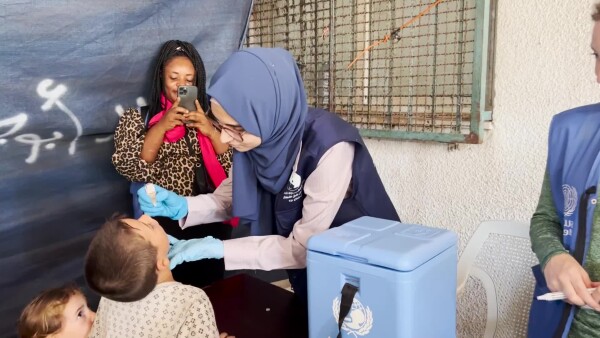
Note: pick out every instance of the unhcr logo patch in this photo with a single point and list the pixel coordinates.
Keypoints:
(570, 198)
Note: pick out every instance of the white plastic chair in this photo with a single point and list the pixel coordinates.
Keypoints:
(495, 282)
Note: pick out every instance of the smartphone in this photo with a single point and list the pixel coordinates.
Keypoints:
(188, 96)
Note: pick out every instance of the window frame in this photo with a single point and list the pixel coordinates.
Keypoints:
(481, 103)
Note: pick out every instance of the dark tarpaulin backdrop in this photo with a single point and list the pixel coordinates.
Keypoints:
(68, 69)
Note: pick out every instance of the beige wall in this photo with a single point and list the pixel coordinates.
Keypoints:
(543, 66)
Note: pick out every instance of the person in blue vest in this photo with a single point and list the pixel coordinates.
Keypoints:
(565, 228)
(297, 171)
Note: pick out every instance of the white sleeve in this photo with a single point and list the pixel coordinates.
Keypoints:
(209, 208)
(325, 190)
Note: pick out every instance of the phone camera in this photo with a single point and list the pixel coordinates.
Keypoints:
(183, 91)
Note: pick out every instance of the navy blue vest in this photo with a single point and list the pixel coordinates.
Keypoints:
(574, 169)
(321, 132)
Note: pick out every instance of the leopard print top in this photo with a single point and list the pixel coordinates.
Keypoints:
(174, 167)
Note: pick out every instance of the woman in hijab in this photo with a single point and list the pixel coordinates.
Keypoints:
(297, 171)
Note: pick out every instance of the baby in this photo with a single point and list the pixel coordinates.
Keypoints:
(59, 313)
(127, 265)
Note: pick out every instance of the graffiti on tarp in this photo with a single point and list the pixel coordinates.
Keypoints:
(140, 102)
(52, 95)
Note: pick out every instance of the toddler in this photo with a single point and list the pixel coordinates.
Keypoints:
(59, 313)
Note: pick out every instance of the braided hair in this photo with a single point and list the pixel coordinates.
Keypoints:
(169, 50)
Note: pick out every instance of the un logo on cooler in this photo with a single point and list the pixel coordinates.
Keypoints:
(570, 198)
(359, 320)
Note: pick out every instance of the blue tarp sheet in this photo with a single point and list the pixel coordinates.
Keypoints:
(67, 70)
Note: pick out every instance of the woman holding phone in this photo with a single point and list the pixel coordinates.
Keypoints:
(171, 146)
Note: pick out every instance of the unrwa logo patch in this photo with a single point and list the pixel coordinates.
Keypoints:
(294, 188)
(570, 198)
(359, 320)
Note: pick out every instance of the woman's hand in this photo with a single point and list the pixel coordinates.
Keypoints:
(165, 203)
(197, 119)
(172, 118)
(596, 293)
(195, 249)
(564, 273)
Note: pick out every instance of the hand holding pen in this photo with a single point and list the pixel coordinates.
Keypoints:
(562, 272)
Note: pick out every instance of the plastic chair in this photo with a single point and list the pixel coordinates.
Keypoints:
(495, 283)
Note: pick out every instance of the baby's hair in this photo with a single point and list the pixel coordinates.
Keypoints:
(43, 316)
(120, 263)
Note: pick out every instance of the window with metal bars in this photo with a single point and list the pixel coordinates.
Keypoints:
(430, 80)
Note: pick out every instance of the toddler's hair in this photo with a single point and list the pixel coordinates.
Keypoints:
(44, 314)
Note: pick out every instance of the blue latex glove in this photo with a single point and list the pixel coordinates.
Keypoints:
(194, 249)
(172, 241)
(168, 203)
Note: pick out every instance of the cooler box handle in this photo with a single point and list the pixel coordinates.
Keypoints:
(348, 292)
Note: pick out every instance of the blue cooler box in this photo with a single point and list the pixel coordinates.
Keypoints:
(405, 275)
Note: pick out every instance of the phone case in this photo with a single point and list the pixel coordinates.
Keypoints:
(188, 95)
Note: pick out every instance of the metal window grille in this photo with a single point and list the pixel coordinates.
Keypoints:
(429, 83)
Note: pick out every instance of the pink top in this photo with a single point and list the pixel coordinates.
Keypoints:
(325, 190)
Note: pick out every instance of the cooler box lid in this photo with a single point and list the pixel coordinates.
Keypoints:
(380, 242)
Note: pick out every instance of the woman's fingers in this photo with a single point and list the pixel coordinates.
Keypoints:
(571, 295)
(177, 111)
(195, 117)
(585, 296)
(581, 287)
(176, 103)
(576, 292)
